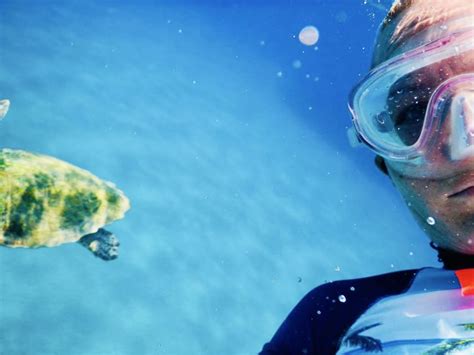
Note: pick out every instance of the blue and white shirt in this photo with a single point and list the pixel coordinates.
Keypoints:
(427, 311)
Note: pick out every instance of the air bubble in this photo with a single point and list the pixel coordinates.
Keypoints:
(342, 298)
(309, 35)
(297, 64)
(431, 221)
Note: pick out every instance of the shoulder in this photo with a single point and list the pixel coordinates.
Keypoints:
(317, 322)
(392, 283)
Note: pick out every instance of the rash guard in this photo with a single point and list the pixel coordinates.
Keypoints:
(423, 311)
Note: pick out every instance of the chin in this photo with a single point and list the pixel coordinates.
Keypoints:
(453, 239)
(468, 248)
(462, 245)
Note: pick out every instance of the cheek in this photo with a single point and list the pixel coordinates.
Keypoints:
(423, 197)
(447, 222)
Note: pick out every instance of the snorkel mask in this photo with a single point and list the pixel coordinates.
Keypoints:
(417, 108)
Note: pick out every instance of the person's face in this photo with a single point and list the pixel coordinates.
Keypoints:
(443, 205)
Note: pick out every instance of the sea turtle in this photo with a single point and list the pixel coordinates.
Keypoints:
(45, 202)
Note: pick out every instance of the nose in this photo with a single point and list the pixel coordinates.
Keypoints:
(462, 125)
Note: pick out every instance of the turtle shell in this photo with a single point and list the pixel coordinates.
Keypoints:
(45, 201)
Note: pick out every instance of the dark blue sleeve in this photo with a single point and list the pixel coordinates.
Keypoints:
(318, 322)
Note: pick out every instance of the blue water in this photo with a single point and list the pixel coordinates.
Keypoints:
(245, 193)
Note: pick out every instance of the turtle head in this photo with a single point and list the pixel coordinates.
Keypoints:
(117, 203)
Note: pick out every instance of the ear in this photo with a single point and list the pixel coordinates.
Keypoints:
(380, 163)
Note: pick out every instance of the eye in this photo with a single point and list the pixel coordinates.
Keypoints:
(409, 122)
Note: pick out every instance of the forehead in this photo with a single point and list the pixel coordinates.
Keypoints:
(420, 22)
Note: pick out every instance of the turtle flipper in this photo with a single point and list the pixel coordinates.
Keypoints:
(102, 244)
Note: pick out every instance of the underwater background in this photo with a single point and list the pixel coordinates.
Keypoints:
(229, 137)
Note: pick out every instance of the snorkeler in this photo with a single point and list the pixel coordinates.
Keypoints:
(415, 110)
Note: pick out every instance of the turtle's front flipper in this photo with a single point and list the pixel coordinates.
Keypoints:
(102, 244)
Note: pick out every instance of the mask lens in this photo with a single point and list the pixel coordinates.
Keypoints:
(408, 114)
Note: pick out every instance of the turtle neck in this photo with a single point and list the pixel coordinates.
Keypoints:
(453, 260)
